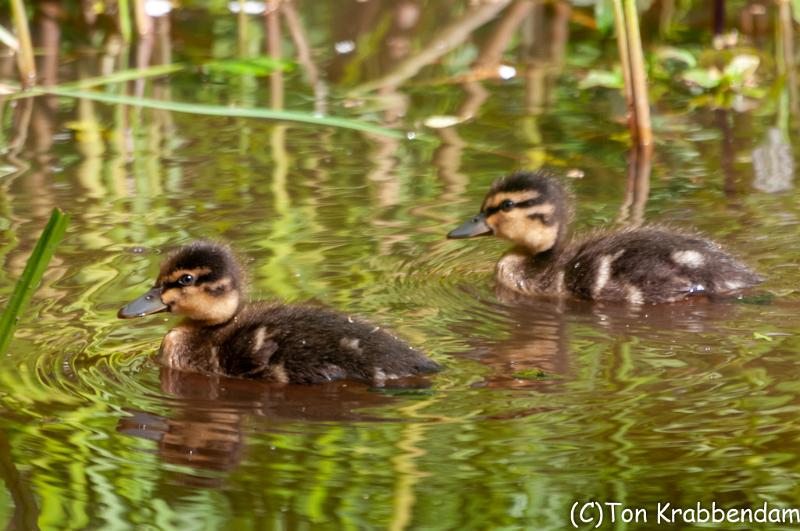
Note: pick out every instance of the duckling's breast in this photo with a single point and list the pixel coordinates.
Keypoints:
(187, 348)
(525, 274)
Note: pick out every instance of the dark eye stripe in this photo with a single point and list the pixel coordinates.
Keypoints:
(522, 204)
(198, 280)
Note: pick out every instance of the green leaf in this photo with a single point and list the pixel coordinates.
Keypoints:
(759, 335)
(257, 66)
(706, 78)
(32, 275)
(602, 78)
(796, 10)
(741, 68)
(222, 110)
(670, 53)
(604, 16)
(116, 77)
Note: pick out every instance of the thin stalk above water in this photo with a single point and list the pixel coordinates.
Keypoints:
(25, 60)
(629, 42)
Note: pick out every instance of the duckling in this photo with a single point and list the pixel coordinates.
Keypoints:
(221, 334)
(637, 265)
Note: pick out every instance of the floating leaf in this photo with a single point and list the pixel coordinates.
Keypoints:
(441, 121)
(759, 335)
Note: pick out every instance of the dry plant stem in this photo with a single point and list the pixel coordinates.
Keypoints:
(787, 46)
(505, 30)
(559, 33)
(300, 40)
(624, 59)
(144, 22)
(449, 37)
(25, 60)
(49, 38)
(242, 30)
(629, 42)
(638, 75)
(275, 50)
(144, 53)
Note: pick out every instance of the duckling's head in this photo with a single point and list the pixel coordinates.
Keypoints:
(202, 281)
(530, 209)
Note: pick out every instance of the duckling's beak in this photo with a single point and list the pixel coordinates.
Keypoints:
(148, 303)
(476, 226)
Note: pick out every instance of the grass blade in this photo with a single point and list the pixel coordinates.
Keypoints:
(117, 77)
(230, 112)
(32, 275)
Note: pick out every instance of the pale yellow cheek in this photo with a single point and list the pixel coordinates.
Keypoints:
(530, 233)
(542, 239)
(198, 305)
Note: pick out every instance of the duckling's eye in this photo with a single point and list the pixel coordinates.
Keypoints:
(507, 205)
(186, 280)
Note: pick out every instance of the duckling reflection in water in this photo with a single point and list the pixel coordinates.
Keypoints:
(645, 265)
(211, 416)
(221, 334)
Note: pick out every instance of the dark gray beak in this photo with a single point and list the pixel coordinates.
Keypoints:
(477, 226)
(148, 303)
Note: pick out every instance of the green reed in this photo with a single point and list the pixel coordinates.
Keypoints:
(32, 275)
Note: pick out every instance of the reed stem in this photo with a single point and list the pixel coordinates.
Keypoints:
(25, 59)
(629, 42)
(638, 75)
(124, 19)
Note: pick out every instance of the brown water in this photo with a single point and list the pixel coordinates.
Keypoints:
(684, 403)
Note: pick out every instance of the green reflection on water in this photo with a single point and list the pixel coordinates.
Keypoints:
(682, 404)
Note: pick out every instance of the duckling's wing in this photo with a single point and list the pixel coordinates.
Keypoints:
(317, 344)
(653, 266)
(248, 353)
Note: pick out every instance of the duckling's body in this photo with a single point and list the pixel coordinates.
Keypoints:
(271, 341)
(644, 265)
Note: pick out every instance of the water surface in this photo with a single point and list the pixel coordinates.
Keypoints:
(681, 403)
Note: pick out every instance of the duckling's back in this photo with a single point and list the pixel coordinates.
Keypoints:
(307, 344)
(653, 265)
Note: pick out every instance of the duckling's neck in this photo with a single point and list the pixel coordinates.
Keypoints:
(532, 273)
(218, 321)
